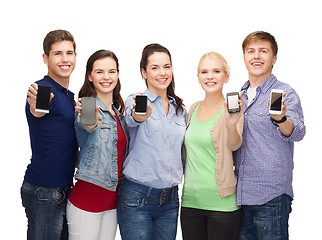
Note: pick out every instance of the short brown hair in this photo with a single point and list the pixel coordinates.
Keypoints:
(57, 36)
(261, 35)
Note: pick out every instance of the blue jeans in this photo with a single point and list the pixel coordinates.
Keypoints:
(46, 211)
(147, 213)
(268, 221)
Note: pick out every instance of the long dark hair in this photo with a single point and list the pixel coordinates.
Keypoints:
(147, 52)
(88, 88)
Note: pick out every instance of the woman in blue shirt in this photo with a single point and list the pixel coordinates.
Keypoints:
(148, 197)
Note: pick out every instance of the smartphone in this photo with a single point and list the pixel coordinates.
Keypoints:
(232, 102)
(141, 101)
(43, 99)
(88, 111)
(276, 102)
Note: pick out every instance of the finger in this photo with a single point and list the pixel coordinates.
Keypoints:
(33, 90)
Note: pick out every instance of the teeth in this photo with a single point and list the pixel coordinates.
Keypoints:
(211, 83)
(161, 80)
(257, 64)
(64, 67)
(106, 84)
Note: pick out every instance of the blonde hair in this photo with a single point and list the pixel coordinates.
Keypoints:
(218, 57)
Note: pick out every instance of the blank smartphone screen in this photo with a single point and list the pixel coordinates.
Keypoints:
(88, 111)
(43, 98)
(276, 100)
(233, 102)
(141, 103)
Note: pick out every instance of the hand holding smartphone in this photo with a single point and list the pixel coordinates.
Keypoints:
(276, 98)
(141, 103)
(88, 116)
(232, 102)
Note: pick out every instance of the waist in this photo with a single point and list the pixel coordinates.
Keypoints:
(129, 186)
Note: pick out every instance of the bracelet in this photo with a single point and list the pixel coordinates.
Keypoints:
(275, 122)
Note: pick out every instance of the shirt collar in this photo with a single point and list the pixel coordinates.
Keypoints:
(57, 85)
(264, 87)
(104, 108)
(152, 97)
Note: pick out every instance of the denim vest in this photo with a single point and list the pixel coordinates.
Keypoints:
(97, 162)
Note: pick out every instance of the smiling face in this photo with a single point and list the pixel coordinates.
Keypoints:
(104, 76)
(61, 61)
(158, 73)
(259, 60)
(211, 75)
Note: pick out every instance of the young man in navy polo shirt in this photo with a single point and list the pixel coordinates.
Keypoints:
(49, 176)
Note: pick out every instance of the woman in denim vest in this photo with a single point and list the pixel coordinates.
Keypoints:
(148, 197)
(91, 210)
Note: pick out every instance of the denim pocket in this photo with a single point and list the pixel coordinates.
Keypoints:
(58, 197)
(175, 200)
(132, 202)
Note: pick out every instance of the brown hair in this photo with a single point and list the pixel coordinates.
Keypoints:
(146, 53)
(261, 35)
(88, 88)
(57, 36)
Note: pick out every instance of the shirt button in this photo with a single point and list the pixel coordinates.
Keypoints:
(246, 113)
(240, 179)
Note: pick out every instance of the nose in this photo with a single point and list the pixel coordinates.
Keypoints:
(257, 55)
(210, 75)
(65, 58)
(106, 75)
(162, 71)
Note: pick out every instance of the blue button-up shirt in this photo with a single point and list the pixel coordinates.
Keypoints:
(264, 162)
(155, 158)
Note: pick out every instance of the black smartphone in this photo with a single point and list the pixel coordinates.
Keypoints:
(43, 99)
(232, 102)
(141, 101)
(88, 111)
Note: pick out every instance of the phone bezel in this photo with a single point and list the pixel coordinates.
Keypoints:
(141, 113)
(37, 108)
(232, 110)
(275, 112)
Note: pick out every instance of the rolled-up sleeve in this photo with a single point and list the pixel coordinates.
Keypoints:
(295, 114)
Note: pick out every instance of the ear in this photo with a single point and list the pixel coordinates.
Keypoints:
(143, 73)
(90, 78)
(227, 78)
(45, 58)
(198, 78)
(274, 60)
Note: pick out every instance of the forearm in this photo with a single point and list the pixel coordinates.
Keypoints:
(286, 127)
(233, 137)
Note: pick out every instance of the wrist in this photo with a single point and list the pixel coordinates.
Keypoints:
(277, 122)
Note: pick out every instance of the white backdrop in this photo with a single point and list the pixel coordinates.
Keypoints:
(188, 29)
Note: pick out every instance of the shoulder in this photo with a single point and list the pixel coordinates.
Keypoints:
(192, 108)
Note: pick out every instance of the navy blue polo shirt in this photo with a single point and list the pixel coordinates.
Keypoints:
(53, 142)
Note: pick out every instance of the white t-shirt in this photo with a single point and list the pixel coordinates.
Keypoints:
(251, 93)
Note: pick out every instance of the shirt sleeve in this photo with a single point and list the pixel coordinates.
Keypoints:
(128, 112)
(295, 114)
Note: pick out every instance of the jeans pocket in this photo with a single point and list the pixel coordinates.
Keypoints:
(131, 201)
(58, 197)
(175, 200)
